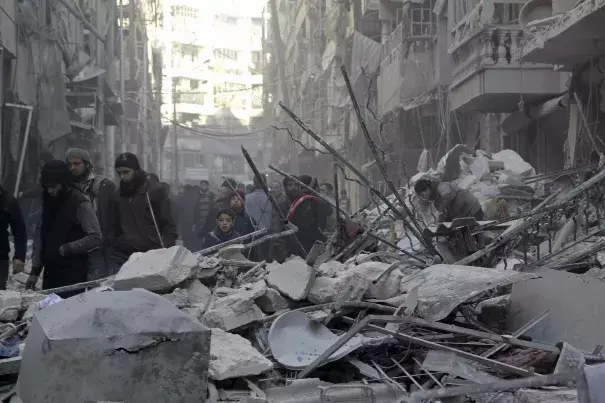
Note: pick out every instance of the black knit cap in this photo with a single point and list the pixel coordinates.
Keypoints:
(55, 172)
(128, 160)
(229, 183)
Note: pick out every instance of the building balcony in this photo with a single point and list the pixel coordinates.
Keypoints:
(414, 73)
(568, 39)
(488, 75)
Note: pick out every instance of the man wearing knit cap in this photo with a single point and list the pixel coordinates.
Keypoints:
(68, 232)
(102, 194)
(144, 220)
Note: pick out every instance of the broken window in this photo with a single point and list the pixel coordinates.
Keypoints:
(422, 21)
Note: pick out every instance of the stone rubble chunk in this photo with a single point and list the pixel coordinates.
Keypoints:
(196, 311)
(494, 311)
(178, 297)
(293, 278)
(387, 287)
(113, 335)
(325, 289)
(236, 309)
(12, 302)
(232, 356)
(198, 293)
(550, 395)
(272, 301)
(331, 268)
(156, 270)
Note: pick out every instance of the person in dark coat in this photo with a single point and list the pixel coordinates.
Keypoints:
(10, 215)
(31, 200)
(102, 194)
(187, 201)
(244, 224)
(144, 219)
(224, 230)
(451, 201)
(68, 232)
(204, 219)
(307, 212)
(224, 194)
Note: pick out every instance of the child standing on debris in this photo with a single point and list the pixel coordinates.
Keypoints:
(224, 231)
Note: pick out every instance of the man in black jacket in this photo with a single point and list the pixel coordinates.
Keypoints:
(102, 194)
(68, 232)
(144, 219)
(10, 215)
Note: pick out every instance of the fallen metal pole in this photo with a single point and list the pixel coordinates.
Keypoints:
(502, 386)
(467, 332)
(362, 178)
(75, 287)
(30, 110)
(373, 149)
(569, 196)
(290, 231)
(435, 346)
(392, 245)
(237, 240)
(567, 247)
(83, 20)
(518, 333)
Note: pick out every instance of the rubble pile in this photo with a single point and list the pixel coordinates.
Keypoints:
(396, 325)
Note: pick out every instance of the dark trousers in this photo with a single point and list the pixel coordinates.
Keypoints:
(3, 274)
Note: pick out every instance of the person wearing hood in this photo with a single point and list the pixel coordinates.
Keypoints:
(102, 194)
(144, 219)
(68, 231)
(244, 225)
(308, 214)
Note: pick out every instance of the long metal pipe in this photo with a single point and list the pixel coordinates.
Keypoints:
(30, 110)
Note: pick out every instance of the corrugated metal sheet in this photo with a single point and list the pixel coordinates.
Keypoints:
(519, 119)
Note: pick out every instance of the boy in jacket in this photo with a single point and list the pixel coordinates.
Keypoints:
(224, 231)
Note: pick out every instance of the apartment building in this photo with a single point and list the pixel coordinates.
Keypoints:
(212, 72)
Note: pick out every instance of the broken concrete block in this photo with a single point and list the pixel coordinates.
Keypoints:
(232, 356)
(387, 287)
(156, 270)
(548, 395)
(236, 309)
(331, 268)
(198, 293)
(272, 301)
(293, 278)
(195, 311)
(178, 297)
(12, 302)
(494, 311)
(90, 348)
(325, 289)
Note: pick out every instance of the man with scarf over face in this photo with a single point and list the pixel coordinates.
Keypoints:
(307, 212)
(68, 232)
(144, 219)
(102, 194)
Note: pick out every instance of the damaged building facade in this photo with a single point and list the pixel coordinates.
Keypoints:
(428, 75)
(62, 84)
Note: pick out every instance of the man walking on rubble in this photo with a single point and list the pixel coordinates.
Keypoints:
(144, 219)
(67, 233)
(451, 201)
(102, 194)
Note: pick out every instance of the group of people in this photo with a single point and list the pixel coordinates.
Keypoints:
(233, 212)
(88, 226)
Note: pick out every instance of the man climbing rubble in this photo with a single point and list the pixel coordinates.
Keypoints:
(144, 219)
(451, 201)
(102, 194)
(68, 232)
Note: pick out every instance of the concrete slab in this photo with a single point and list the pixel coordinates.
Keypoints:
(130, 346)
(293, 278)
(547, 395)
(576, 307)
(236, 309)
(156, 270)
(232, 356)
(272, 301)
(197, 292)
